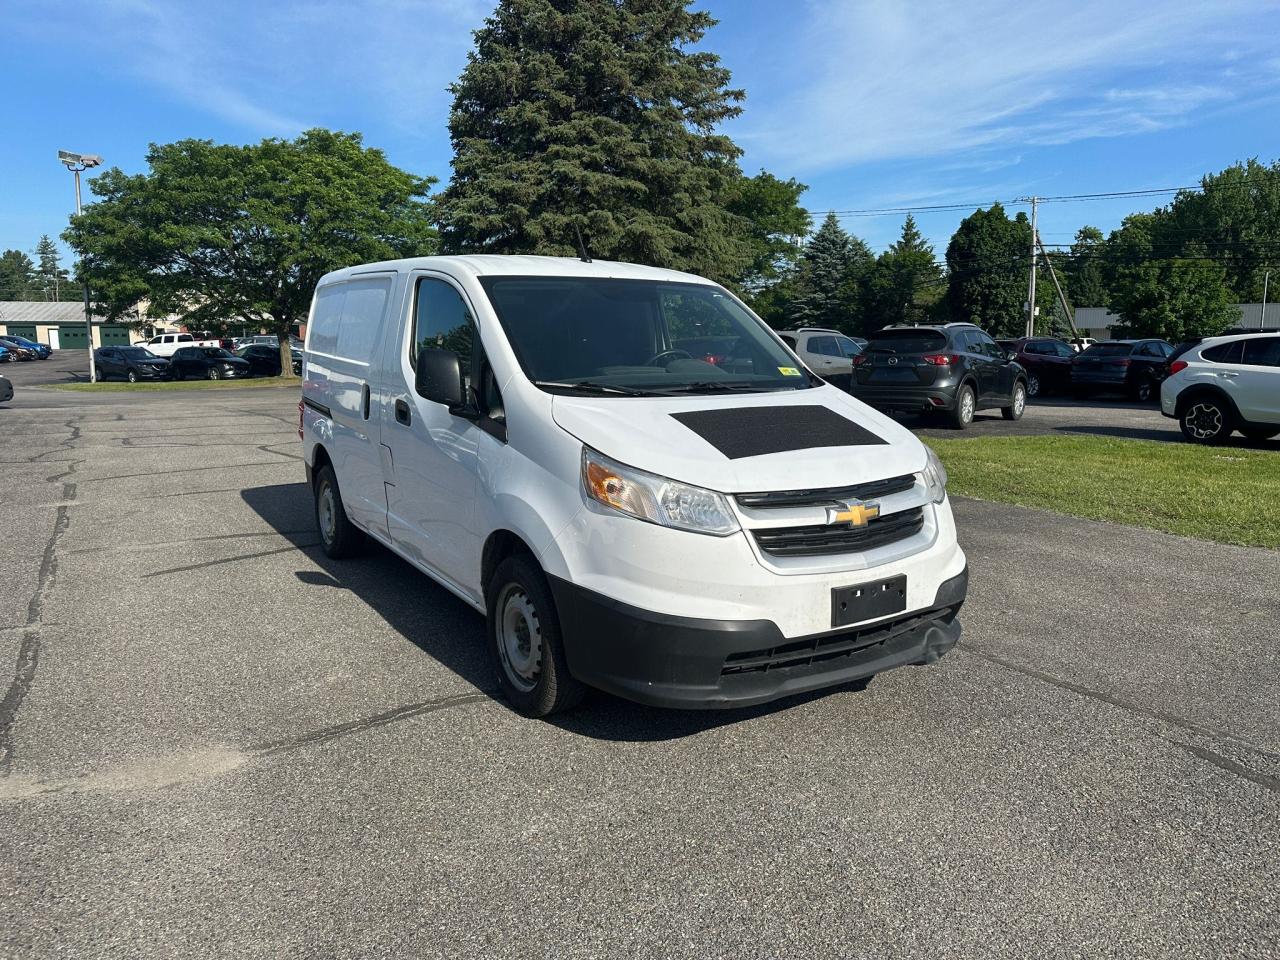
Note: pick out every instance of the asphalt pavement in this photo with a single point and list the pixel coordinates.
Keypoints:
(214, 741)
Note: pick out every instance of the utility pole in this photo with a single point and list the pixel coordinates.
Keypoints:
(1062, 297)
(1262, 322)
(1031, 286)
(77, 162)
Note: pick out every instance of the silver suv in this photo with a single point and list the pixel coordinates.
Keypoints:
(828, 353)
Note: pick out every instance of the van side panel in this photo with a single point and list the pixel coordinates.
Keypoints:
(346, 328)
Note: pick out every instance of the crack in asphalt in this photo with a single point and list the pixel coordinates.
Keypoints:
(1231, 766)
(160, 473)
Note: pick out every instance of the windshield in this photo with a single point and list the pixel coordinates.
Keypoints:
(638, 335)
(216, 352)
(137, 353)
(907, 341)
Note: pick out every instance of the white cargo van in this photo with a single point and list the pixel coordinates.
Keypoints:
(629, 474)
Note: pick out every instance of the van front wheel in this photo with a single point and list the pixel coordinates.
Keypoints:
(524, 639)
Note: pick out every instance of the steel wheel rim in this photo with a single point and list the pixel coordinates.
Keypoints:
(1033, 386)
(967, 404)
(519, 638)
(1204, 421)
(327, 513)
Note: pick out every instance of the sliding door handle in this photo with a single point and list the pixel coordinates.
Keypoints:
(402, 412)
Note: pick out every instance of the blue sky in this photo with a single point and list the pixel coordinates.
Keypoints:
(873, 103)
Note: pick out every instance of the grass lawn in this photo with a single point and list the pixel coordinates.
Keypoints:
(1214, 493)
(124, 386)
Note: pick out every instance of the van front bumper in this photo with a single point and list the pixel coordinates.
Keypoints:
(695, 663)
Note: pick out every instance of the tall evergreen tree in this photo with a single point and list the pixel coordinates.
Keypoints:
(51, 278)
(827, 276)
(17, 276)
(595, 116)
(906, 282)
(1082, 271)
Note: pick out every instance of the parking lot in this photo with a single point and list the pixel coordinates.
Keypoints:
(214, 739)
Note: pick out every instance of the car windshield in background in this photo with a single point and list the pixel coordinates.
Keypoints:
(216, 353)
(1110, 350)
(646, 336)
(906, 341)
(137, 353)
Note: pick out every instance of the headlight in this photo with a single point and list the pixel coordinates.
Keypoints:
(935, 477)
(644, 496)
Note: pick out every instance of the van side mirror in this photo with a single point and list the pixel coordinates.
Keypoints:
(439, 377)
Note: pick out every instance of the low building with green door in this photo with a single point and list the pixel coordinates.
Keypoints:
(59, 324)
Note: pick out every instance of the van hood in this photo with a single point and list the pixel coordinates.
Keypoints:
(741, 443)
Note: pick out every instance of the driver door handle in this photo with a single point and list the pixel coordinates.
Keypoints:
(1228, 375)
(402, 412)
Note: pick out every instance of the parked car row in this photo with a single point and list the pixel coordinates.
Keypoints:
(20, 348)
(1131, 367)
(1225, 384)
(191, 362)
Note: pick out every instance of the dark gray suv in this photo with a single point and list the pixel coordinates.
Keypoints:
(954, 368)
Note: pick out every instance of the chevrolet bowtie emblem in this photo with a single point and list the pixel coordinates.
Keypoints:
(853, 512)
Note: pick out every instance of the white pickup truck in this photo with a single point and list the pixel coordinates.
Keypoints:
(164, 344)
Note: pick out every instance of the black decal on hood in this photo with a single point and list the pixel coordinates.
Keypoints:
(754, 431)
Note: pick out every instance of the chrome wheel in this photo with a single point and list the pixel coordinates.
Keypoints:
(1033, 386)
(327, 513)
(133, 377)
(1203, 421)
(519, 638)
(213, 373)
(1019, 401)
(968, 404)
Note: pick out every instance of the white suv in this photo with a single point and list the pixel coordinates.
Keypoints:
(1225, 384)
(827, 353)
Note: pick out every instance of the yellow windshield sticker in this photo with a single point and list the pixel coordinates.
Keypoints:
(789, 371)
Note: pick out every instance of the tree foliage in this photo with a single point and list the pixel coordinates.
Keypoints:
(217, 233)
(18, 277)
(600, 117)
(1082, 271)
(772, 220)
(906, 283)
(829, 279)
(50, 277)
(988, 260)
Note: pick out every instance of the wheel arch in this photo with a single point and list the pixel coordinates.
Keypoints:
(499, 545)
(1203, 391)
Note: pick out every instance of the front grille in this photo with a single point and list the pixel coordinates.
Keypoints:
(829, 496)
(823, 539)
(846, 645)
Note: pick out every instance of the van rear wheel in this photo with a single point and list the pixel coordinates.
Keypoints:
(524, 639)
(339, 537)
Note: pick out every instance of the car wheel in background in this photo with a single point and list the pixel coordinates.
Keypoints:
(524, 639)
(1206, 420)
(339, 537)
(1145, 390)
(1260, 433)
(213, 373)
(1015, 409)
(175, 373)
(1033, 385)
(966, 406)
(132, 376)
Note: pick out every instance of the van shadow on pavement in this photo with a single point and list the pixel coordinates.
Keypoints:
(453, 634)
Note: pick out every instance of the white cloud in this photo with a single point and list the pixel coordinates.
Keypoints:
(888, 80)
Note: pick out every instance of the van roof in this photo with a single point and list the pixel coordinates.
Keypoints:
(484, 265)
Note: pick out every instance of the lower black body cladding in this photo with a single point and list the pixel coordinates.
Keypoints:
(755, 431)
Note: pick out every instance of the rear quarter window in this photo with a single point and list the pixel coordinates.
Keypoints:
(326, 314)
(362, 311)
(1232, 352)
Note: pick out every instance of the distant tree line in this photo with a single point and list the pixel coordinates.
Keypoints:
(580, 126)
(42, 277)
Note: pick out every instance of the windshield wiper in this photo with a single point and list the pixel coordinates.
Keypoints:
(591, 386)
(718, 386)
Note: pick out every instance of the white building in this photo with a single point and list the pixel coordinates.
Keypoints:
(1096, 322)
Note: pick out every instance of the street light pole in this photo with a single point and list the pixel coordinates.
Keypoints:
(1266, 278)
(76, 163)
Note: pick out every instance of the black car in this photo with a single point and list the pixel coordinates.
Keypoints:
(263, 360)
(207, 363)
(131, 363)
(954, 368)
(1133, 367)
(1047, 361)
(6, 390)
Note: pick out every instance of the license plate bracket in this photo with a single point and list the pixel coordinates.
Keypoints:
(868, 601)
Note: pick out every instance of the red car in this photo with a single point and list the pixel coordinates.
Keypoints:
(1048, 363)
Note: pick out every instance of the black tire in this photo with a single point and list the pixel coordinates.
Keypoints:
(132, 376)
(1018, 402)
(175, 373)
(1206, 420)
(1145, 390)
(1034, 387)
(524, 640)
(966, 405)
(339, 537)
(1260, 433)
